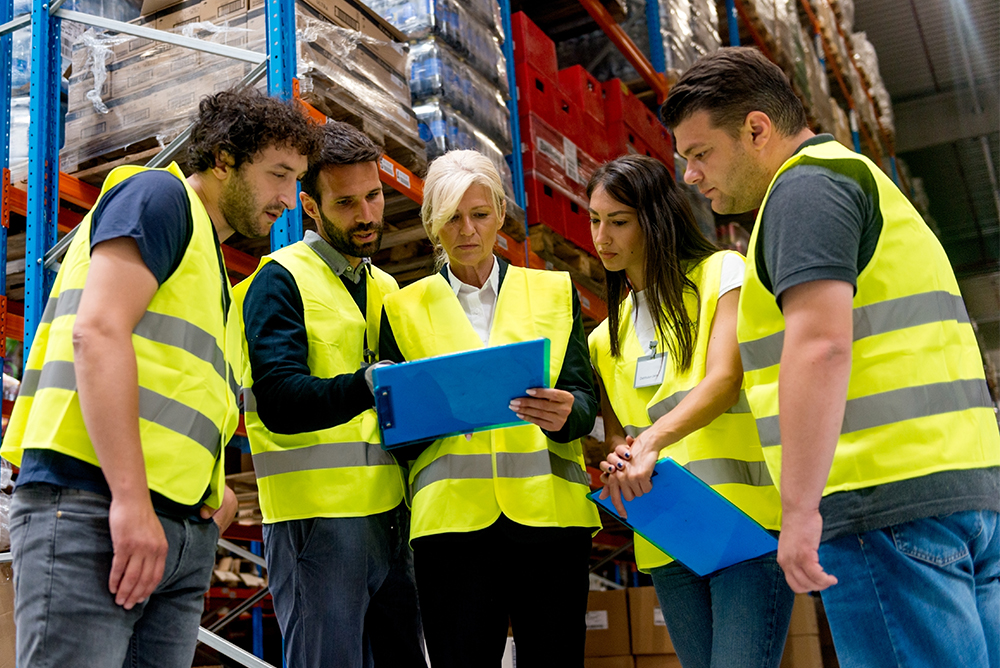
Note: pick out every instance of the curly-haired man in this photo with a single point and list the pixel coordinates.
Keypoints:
(129, 397)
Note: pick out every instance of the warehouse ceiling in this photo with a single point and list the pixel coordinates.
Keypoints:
(940, 60)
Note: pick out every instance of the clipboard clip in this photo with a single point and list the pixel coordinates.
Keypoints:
(383, 407)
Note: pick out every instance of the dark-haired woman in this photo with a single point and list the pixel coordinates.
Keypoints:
(672, 299)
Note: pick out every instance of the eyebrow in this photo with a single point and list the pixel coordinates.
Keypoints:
(613, 213)
(684, 154)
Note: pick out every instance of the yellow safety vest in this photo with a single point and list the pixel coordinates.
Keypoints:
(187, 389)
(726, 454)
(462, 485)
(341, 471)
(917, 401)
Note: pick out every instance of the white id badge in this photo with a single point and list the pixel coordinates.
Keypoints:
(649, 370)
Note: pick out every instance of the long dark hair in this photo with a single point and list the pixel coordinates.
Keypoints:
(673, 244)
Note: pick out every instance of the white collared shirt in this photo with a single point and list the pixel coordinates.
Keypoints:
(479, 304)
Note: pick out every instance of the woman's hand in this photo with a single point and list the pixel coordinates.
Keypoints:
(546, 407)
(628, 470)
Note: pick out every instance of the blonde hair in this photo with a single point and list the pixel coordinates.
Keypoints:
(448, 178)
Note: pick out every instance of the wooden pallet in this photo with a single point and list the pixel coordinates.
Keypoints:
(565, 256)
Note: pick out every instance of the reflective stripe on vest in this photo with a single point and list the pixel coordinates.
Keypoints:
(907, 403)
(870, 320)
(509, 465)
(153, 406)
(159, 328)
(320, 456)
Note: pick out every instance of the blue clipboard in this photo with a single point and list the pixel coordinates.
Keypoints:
(454, 394)
(691, 522)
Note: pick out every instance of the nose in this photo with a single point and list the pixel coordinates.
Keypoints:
(289, 197)
(467, 229)
(691, 175)
(597, 231)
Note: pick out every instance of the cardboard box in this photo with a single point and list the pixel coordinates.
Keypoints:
(802, 652)
(657, 661)
(198, 11)
(7, 634)
(649, 631)
(607, 624)
(804, 620)
(627, 661)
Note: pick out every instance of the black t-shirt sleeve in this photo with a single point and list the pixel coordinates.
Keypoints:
(815, 226)
(152, 208)
(289, 399)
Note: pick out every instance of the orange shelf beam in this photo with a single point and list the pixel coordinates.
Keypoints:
(620, 39)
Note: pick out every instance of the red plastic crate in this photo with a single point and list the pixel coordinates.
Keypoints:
(584, 90)
(532, 46)
(621, 107)
(544, 151)
(595, 142)
(546, 204)
(578, 226)
(536, 93)
(569, 119)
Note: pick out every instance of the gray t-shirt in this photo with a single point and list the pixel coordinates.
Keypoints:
(822, 221)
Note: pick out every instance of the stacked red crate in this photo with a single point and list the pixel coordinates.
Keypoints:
(632, 127)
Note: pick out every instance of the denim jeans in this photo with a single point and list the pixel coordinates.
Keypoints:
(64, 613)
(735, 617)
(923, 593)
(343, 591)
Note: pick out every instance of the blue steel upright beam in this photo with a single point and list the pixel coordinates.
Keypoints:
(732, 20)
(657, 56)
(280, 25)
(6, 44)
(43, 163)
(516, 159)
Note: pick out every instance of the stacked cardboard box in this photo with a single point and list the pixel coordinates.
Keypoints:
(650, 641)
(802, 649)
(125, 90)
(608, 638)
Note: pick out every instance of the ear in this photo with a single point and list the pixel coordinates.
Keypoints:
(310, 206)
(224, 162)
(503, 214)
(758, 128)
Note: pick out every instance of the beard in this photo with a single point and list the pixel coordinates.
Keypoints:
(240, 208)
(747, 183)
(342, 240)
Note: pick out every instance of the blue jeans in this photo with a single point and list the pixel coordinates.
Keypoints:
(923, 593)
(64, 613)
(343, 591)
(734, 617)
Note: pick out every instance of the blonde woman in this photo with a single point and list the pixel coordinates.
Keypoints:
(500, 524)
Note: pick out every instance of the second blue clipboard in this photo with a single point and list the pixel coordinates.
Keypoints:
(456, 394)
(691, 522)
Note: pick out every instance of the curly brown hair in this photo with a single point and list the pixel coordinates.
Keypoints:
(244, 122)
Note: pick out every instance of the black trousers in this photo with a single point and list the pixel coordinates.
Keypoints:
(471, 585)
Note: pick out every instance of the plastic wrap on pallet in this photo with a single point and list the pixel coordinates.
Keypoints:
(436, 71)
(139, 100)
(866, 59)
(433, 60)
(418, 18)
(844, 10)
(5, 497)
(444, 129)
(841, 125)
(457, 23)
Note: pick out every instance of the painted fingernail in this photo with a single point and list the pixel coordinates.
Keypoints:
(531, 393)
(519, 416)
(620, 466)
(627, 455)
(514, 405)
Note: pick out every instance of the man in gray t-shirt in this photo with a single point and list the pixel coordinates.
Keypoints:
(890, 502)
